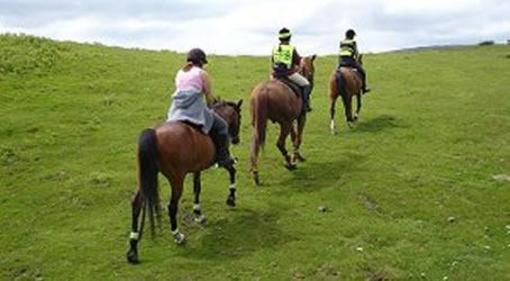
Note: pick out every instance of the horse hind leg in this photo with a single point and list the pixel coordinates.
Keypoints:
(197, 188)
(254, 155)
(176, 182)
(137, 206)
(358, 106)
(332, 110)
(295, 143)
(231, 199)
(347, 101)
(298, 139)
(285, 129)
(348, 111)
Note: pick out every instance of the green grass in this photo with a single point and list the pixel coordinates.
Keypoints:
(431, 136)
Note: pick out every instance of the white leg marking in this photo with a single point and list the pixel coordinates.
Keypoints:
(196, 207)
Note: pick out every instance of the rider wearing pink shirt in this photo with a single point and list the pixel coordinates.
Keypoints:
(192, 84)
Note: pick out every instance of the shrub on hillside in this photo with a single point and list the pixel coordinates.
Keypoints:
(24, 54)
(486, 43)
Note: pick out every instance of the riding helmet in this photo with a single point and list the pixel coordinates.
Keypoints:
(350, 33)
(284, 34)
(197, 56)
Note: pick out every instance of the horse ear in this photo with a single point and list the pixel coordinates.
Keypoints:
(314, 57)
(239, 103)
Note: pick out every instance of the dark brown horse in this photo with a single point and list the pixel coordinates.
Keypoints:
(176, 149)
(276, 101)
(345, 82)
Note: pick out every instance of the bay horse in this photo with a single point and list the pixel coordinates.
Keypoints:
(176, 149)
(345, 82)
(276, 101)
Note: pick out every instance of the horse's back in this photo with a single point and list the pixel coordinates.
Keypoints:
(345, 79)
(280, 99)
(184, 147)
(351, 76)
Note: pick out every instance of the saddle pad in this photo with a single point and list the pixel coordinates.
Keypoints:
(295, 88)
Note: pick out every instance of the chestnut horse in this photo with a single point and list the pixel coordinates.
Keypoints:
(345, 82)
(276, 101)
(176, 149)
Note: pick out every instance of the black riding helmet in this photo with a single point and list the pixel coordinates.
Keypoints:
(197, 57)
(284, 34)
(350, 33)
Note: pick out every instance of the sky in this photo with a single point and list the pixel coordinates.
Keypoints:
(250, 27)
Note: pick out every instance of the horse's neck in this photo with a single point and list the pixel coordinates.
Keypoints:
(301, 68)
(222, 112)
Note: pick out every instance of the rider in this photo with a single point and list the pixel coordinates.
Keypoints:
(349, 56)
(286, 62)
(192, 83)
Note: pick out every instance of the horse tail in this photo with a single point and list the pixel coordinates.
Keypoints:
(148, 172)
(341, 83)
(259, 116)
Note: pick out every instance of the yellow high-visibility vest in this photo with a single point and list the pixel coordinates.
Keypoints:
(283, 54)
(347, 48)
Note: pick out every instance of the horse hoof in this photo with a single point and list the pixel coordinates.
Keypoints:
(256, 178)
(231, 201)
(179, 238)
(290, 167)
(350, 124)
(298, 157)
(132, 257)
(201, 219)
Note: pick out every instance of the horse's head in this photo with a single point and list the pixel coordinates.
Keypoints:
(231, 113)
(307, 69)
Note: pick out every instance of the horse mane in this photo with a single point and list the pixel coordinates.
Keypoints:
(306, 67)
(221, 103)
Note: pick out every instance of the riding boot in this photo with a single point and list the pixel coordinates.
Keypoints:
(305, 95)
(364, 87)
(223, 157)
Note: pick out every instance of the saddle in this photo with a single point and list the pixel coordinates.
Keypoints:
(351, 68)
(293, 86)
(194, 126)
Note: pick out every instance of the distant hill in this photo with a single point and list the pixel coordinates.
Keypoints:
(443, 47)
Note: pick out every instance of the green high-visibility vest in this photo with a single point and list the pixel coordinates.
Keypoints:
(283, 54)
(347, 48)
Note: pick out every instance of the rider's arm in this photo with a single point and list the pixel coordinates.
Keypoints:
(355, 47)
(207, 89)
(296, 59)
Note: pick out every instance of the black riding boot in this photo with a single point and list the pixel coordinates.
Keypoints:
(223, 157)
(305, 95)
(364, 87)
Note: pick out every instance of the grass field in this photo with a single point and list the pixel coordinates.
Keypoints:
(409, 191)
